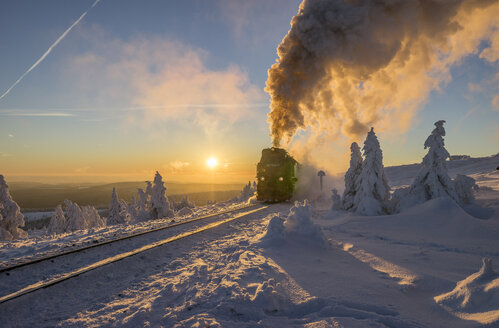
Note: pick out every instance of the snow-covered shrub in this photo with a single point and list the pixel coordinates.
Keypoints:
(160, 207)
(432, 180)
(11, 218)
(374, 192)
(352, 177)
(336, 199)
(118, 210)
(57, 222)
(297, 226)
(464, 186)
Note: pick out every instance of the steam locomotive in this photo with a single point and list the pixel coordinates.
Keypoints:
(276, 175)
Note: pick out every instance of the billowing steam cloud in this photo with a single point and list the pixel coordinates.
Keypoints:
(347, 65)
(49, 50)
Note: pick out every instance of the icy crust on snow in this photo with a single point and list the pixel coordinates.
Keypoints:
(476, 297)
(296, 227)
(40, 244)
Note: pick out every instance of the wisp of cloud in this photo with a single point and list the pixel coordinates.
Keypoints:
(49, 50)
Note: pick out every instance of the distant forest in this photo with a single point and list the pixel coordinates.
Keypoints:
(39, 197)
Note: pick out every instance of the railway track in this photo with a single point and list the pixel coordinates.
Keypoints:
(45, 272)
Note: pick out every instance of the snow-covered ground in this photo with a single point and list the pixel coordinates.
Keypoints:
(309, 268)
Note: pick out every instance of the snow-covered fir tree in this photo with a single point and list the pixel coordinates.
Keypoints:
(374, 192)
(352, 177)
(160, 207)
(118, 210)
(11, 218)
(57, 222)
(336, 199)
(132, 209)
(185, 202)
(82, 218)
(432, 180)
(247, 192)
(74, 217)
(92, 217)
(142, 205)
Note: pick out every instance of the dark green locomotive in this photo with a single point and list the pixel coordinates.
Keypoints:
(276, 175)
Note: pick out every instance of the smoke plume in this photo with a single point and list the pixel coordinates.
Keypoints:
(345, 66)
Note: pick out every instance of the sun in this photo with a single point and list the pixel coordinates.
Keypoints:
(212, 162)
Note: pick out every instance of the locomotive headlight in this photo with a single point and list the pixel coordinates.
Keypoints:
(281, 179)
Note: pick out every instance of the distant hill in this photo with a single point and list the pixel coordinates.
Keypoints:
(39, 196)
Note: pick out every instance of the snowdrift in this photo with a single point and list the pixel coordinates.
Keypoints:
(296, 227)
(437, 221)
(476, 297)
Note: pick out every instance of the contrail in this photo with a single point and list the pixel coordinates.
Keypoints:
(49, 50)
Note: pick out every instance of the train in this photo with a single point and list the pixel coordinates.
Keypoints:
(276, 175)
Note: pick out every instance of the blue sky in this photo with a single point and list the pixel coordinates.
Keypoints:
(126, 55)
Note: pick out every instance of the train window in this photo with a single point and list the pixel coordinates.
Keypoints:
(262, 178)
(281, 178)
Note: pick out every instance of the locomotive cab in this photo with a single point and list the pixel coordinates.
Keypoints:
(275, 175)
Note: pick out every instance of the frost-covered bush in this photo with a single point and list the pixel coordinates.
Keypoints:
(57, 221)
(464, 186)
(432, 180)
(352, 177)
(160, 206)
(11, 218)
(118, 210)
(296, 226)
(373, 193)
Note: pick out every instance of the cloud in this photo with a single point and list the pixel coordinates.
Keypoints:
(495, 102)
(161, 80)
(178, 165)
(34, 113)
(49, 50)
(81, 170)
(10, 135)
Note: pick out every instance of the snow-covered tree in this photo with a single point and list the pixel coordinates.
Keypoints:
(432, 180)
(11, 218)
(374, 192)
(247, 192)
(185, 202)
(57, 222)
(92, 217)
(82, 218)
(336, 199)
(160, 207)
(352, 177)
(132, 209)
(75, 220)
(142, 205)
(118, 210)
